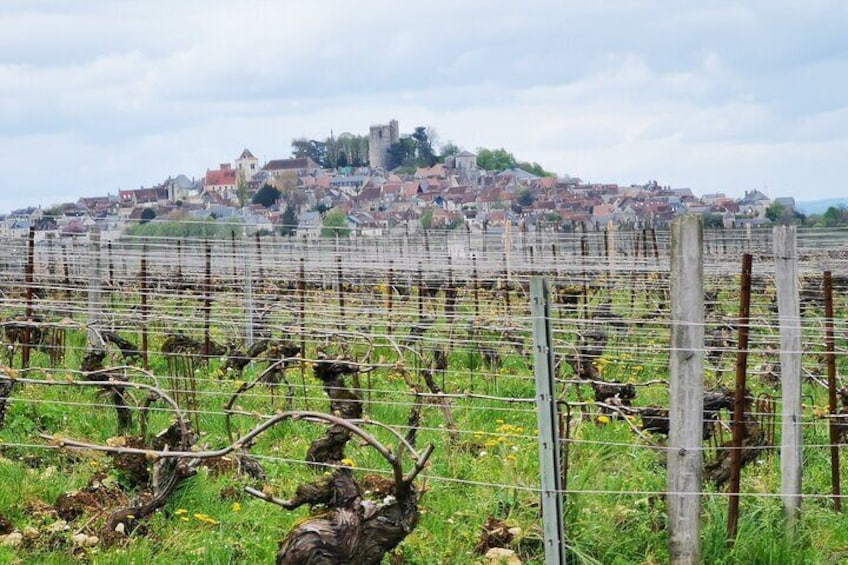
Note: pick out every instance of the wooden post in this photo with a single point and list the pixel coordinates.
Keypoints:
(553, 527)
(830, 356)
(686, 368)
(301, 291)
(791, 442)
(94, 306)
(739, 399)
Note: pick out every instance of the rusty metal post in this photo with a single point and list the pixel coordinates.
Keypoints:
(506, 284)
(830, 356)
(656, 247)
(30, 281)
(739, 399)
(475, 281)
(144, 308)
(233, 254)
(207, 304)
(259, 256)
(179, 261)
(420, 294)
(111, 266)
(66, 280)
(389, 293)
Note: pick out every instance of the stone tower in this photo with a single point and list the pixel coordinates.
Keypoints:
(247, 165)
(381, 138)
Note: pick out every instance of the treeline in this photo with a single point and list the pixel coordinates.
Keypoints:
(347, 150)
(410, 152)
(196, 228)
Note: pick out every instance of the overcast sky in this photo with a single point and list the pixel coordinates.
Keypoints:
(97, 96)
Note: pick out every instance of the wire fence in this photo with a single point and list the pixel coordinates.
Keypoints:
(439, 318)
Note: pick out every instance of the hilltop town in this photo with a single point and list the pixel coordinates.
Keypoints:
(401, 187)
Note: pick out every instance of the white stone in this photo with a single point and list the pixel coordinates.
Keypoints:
(12, 540)
(502, 556)
(79, 539)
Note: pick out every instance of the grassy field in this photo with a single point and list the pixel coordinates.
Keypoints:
(485, 462)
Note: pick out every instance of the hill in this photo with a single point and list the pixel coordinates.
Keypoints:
(820, 206)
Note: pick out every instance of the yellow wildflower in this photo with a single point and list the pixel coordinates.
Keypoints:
(206, 519)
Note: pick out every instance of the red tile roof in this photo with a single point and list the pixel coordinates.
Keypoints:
(221, 177)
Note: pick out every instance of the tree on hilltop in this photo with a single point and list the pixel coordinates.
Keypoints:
(266, 196)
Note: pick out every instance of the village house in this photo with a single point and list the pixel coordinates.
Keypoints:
(222, 181)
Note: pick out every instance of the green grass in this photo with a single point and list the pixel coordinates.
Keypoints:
(623, 524)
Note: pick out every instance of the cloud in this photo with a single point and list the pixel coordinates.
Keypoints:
(720, 96)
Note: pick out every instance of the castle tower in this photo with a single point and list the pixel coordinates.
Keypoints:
(381, 138)
(247, 165)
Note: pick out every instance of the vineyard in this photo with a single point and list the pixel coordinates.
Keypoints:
(252, 399)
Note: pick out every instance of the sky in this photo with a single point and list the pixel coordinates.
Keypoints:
(719, 96)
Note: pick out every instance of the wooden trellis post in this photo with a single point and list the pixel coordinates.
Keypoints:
(789, 314)
(94, 305)
(686, 370)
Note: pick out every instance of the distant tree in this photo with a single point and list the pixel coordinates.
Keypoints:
(354, 148)
(289, 220)
(186, 229)
(407, 170)
(147, 214)
(346, 150)
(834, 216)
(553, 218)
(242, 192)
(456, 222)
(776, 212)
(321, 208)
(495, 159)
(426, 219)
(335, 223)
(713, 221)
(423, 147)
(266, 196)
(535, 168)
(447, 150)
(524, 198)
(402, 153)
(311, 148)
